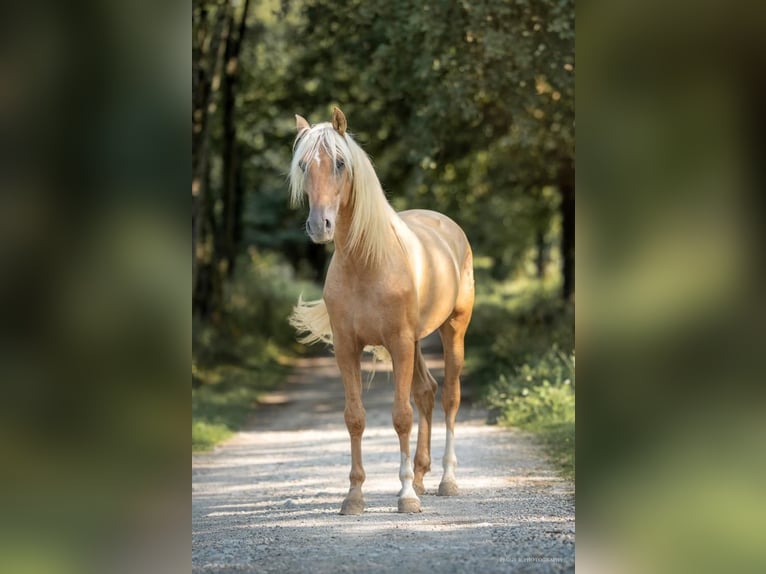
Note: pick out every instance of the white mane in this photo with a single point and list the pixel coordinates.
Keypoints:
(372, 216)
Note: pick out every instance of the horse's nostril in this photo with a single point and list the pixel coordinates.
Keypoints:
(327, 224)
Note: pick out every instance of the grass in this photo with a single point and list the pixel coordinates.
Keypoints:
(221, 407)
(521, 359)
(539, 397)
(247, 351)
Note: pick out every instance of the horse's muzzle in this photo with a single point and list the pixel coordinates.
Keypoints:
(320, 226)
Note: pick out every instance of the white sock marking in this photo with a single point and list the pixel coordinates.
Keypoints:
(450, 460)
(406, 475)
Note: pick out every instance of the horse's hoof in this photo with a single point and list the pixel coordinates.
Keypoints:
(352, 506)
(447, 489)
(419, 488)
(409, 505)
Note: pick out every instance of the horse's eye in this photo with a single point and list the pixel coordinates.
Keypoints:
(302, 165)
(340, 164)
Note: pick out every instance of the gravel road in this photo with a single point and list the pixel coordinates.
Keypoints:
(268, 499)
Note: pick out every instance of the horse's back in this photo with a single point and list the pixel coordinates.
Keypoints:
(437, 232)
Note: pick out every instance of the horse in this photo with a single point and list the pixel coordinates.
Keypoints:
(393, 279)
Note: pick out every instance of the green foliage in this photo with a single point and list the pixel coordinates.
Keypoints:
(245, 352)
(540, 391)
(466, 107)
(540, 396)
(515, 322)
(222, 404)
(253, 324)
(521, 356)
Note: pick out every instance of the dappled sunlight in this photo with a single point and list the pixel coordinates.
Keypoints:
(291, 483)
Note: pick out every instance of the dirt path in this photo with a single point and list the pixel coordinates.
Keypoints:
(268, 500)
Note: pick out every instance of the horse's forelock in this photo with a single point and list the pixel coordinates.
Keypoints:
(322, 136)
(307, 145)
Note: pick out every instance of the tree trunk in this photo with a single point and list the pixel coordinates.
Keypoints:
(541, 257)
(567, 190)
(208, 289)
(206, 55)
(239, 197)
(200, 91)
(232, 204)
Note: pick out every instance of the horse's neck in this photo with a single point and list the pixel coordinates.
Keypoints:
(342, 229)
(389, 237)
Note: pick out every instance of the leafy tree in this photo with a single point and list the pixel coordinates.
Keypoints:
(468, 106)
(465, 107)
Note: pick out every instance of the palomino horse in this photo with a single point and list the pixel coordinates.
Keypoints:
(394, 278)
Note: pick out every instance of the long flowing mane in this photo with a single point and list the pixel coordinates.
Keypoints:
(373, 219)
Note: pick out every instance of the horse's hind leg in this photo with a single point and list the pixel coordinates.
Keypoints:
(452, 333)
(424, 393)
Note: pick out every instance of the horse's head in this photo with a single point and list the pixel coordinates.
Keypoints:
(322, 169)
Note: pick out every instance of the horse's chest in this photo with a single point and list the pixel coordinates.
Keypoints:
(371, 310)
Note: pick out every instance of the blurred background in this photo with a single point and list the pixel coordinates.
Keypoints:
(465, 107)
(670, 220)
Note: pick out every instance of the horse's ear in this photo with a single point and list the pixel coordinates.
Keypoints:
(339, 121)
(301, 123)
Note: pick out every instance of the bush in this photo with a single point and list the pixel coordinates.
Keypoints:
(515, 323)
(520, 357)
(222, 404)
(245, 352)
(253, 326)
(541, 391)
(540, 397)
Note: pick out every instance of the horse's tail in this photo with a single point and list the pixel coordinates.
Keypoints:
(312, 322)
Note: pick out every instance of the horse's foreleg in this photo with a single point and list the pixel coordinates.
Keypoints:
(424, 392)
(403, 358)
(354, 414)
